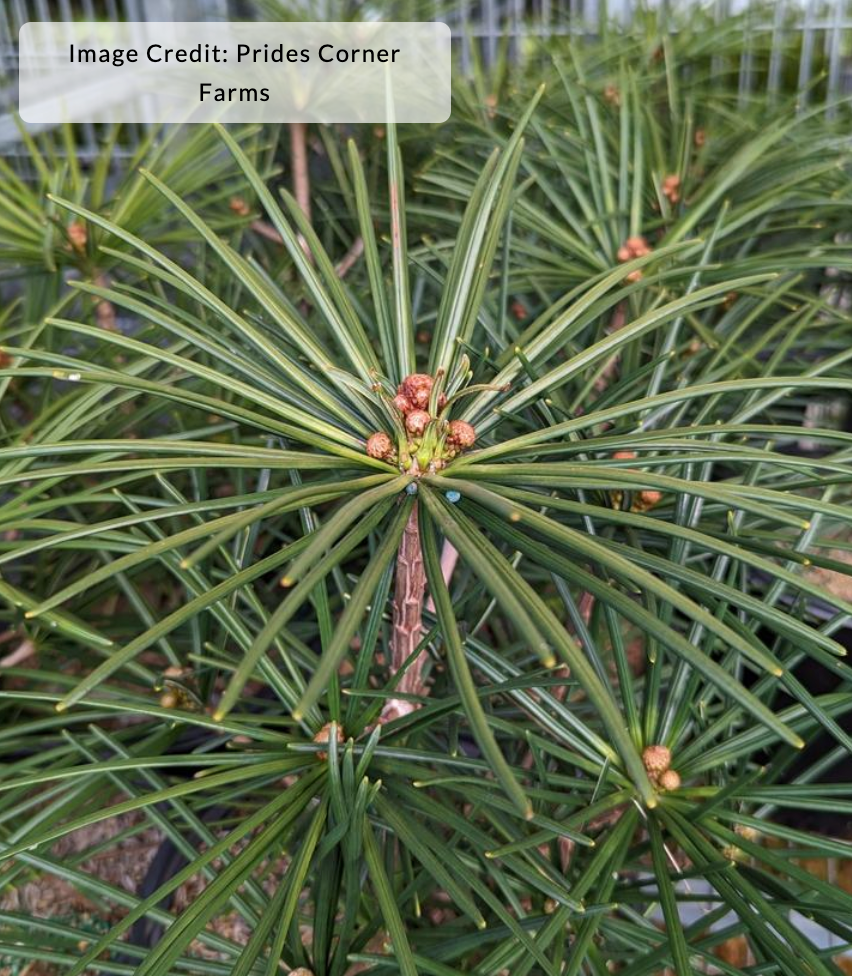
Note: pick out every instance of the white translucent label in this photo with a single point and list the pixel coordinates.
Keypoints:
(229, 72)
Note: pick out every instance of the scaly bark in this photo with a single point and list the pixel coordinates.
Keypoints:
(407, 621)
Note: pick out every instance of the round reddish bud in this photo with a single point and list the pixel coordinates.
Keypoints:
(624, 455)
(636, 244)
(612, 95)
(379, 445)
(461, 434)
(669, 780)
(78, 235)
(650, 496)
(417, 388)
(657, 759)
(633, 276)
(239, 206)
(402, 403)
(417, 421)
(624, 253)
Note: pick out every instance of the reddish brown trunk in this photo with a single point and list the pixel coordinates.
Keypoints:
(299, 162)
(408, 607)
(409, 595)
(301, 174)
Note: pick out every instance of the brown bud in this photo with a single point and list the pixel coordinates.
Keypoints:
(78, 235)
(612, 95)
(239, 206)
(645, 500)
(624, 253)
(746, 832)
(379, 445)
(624, 455)
(461, 434)
(169, 700)
(669, 780)
(638, 245)
(323, 736)
(416, 422)
(700, 137)
(402, 403)
(417, 387)
(632, 276)
(671, 187)
(657, 759)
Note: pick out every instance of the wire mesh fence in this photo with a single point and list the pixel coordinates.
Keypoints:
(792, 45)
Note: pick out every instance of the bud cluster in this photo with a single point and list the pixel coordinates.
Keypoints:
(633, 247)
(643, 500)
(427, 439)
(671, 188)
(658, 761)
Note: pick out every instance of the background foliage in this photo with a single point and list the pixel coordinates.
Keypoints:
(189, 379)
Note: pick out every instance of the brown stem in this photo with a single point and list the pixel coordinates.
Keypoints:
(104, 310)
(301, 176)
(267, 231)
(610, 370)
(23, 651)
(349, 259)
(449, 558)
(407, 623)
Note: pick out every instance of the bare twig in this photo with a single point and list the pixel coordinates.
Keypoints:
(23, 651)
(347, 262)
(449, 558)
(343, 266)
(267, 231)
(105, 310)
(301, 175)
